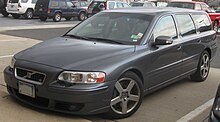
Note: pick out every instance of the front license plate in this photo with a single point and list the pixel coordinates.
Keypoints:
(26, 89)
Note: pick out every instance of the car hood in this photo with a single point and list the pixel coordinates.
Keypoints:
(74, 54)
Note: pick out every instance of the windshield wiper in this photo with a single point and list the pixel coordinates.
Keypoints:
(75, 36)
(105, 40)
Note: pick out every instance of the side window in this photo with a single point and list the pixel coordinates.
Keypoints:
(197, 6)
(119, 5)
(111, 5)
(54, 3)
(165, 27)
(63, 3)
(24, 1)
(125, 5)
(69, 4)
(185, 25)
(202, 22)
(204, 7)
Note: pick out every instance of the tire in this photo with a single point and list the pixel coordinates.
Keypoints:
(4, 13)
(43, 19)
(29, 14)
(203, 68)
(57, 17)
(15, 16)
(215, 26)
(68, 18)
(82, 16)
(127, 96)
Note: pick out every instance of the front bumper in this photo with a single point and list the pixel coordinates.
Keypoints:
(87, 99)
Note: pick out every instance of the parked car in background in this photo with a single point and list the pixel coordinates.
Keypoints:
(159, 3)
(215, 17)
(58, 9)
(21, 7)
(107, 63)
(81, 4)
(99, 5)
(3, 4)
(142, 4)
(215, 112)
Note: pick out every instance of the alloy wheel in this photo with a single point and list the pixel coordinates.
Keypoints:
(126, 96)
(204, 70)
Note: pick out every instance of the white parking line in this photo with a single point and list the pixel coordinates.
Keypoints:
(6, 56)
(196, 112)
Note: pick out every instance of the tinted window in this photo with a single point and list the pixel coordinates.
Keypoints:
(181, 5)
(125, 5)
(13, 1)
(148, 5)
(111, 5)
(198, 7)
(185, 25)
(119, 5)
(165, 27)
(69, 4)
(54, 3)
(62, 3)
(24, 1)
(122, 27)
(202, 22)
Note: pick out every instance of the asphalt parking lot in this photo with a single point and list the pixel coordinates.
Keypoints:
(169, 104)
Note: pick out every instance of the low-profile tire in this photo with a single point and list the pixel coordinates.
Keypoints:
(68, 18)
(15, 16)
(82, 16)
(29, 14)
(127, 96)
(203, 68)
(215, 26)
(57, 17)
(43, 19)
(4, 13)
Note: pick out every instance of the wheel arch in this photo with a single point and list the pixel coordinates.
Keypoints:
(209, 51)
(136, 71)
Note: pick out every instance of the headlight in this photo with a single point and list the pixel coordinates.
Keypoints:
(82, 77)
(12, 62)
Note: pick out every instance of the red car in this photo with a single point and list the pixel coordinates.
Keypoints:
(215, 17)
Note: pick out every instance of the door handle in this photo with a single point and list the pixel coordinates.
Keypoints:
(179, 48)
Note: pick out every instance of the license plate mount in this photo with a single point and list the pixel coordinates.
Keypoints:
(26, 89)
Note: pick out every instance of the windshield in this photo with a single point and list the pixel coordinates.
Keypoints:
(181, 5)
(125, 28)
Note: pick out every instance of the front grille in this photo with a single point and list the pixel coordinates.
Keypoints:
(30, 75)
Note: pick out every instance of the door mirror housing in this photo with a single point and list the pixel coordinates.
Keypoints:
(163, 40)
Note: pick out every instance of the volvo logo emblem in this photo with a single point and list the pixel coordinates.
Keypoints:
(29, 74)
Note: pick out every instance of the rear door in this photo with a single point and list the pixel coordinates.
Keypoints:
(63, 7)
(191, 43)
(42, 6)
(166, 61)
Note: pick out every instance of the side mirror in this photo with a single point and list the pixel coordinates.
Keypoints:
(163, 40)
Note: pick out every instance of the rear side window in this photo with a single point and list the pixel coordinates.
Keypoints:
(197, 6)
(202, 22)
(125, 5)
(54, 3)
(165, 27)
(119, 5)
(63, 3)
(185, 25)
(111, 5)
(204, 7)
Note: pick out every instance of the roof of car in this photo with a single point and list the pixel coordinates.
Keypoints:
(153, 10)
(187, 1)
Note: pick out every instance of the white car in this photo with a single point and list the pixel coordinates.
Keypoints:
(21, 7)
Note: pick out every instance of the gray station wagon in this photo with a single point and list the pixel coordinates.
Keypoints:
(107, 63)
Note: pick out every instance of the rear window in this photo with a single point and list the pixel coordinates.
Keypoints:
(54, 3)
(181, 5)
(202, 22)
(137, 4)
(13, 1)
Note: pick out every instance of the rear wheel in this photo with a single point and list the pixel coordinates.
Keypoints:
(43, 19)
(215, 26)
(29, 14)
(57, 17)
(127, 96)
(82, 16)
(15, 16)
(202, 71)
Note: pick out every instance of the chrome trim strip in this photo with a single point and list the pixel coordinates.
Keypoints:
(29, 81)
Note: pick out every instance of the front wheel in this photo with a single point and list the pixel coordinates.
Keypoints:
(215, 26)
(203, 68)
(82, 16)
(127, 96)
(29, 14)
